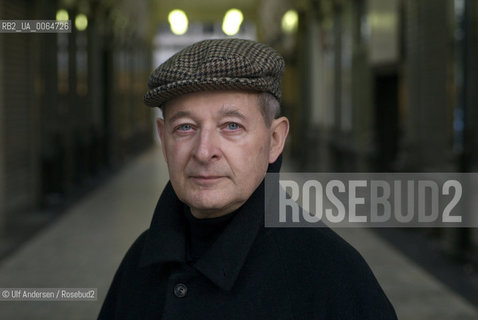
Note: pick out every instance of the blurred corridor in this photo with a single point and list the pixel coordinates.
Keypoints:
(370, 86)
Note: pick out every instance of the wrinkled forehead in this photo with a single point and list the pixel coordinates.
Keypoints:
(212, 103)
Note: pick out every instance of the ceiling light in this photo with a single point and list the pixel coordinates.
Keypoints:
(232, 22)
(290, 21)
(178, 22)
(62, 15)
(81, 22)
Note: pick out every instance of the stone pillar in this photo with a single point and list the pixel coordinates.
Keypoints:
(429, 116)
(471, 81)
(471, 99)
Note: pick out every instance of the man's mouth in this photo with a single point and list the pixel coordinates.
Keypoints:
(206, 179)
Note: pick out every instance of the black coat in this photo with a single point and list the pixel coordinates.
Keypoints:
(250, 272)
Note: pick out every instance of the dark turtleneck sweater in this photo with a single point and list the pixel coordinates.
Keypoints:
(202, 233)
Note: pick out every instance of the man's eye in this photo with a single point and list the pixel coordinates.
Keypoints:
(185, 127)
(232, 126)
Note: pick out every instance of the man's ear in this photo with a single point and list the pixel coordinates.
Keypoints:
(279, 131)
(161, 129)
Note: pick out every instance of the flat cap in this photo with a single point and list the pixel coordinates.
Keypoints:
(214, 65)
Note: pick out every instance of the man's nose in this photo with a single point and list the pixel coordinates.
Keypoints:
(207, 148)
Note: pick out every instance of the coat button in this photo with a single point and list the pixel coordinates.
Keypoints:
(180, 290)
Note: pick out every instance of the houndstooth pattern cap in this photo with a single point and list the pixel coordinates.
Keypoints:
(214, 65)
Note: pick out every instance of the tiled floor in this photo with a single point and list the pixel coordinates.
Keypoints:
(83, 248)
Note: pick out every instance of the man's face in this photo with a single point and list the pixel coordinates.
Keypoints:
(218, 148)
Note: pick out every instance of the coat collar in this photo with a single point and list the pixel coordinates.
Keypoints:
(222, 262)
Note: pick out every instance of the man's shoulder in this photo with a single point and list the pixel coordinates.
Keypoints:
(139, 242)
(320, 251)
(325, 266)
(121, 293)
(316, 243)
(135, 251)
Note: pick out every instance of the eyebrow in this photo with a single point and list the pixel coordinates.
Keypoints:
(180, 114)
(225, 112)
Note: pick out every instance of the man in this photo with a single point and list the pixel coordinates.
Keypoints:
(207, 254)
